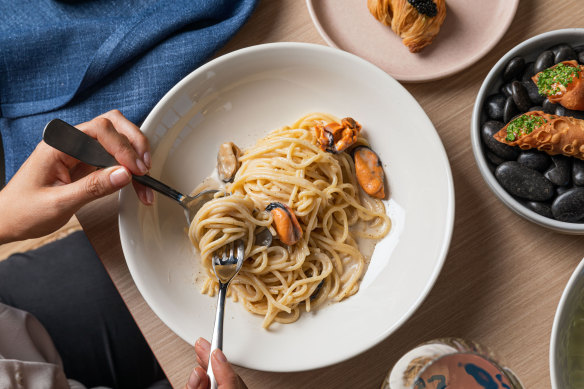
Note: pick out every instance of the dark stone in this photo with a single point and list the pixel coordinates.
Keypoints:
(564, 53)
(495, 104)
(544, 209)
(524, 182)
(536, 108)
(549, 107)
(502, 150)
(506, 90)
(509, 109)
(581, 57)
(528, 72)
(563, 189)
(543, 61)
(578, 172)
(520, 96)
(562, 111)
(513, 69)
(494, 158)
(561, 170)
(569, 206)
(535, 160)
(533, 93)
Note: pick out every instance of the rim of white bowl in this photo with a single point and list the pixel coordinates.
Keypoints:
(551, 38)
(568, 289)
(449, 221)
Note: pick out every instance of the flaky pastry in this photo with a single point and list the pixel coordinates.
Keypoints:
(550, 133)
(563, 84)
(417, 22)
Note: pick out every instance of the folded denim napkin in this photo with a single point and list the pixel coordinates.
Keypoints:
(77, 59)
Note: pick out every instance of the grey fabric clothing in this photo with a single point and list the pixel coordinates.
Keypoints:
(28, 357)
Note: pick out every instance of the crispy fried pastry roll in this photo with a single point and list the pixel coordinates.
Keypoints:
(417, 22)
(550, 133)
(562, 83)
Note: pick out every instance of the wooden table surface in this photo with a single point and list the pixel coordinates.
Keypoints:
(502, 279)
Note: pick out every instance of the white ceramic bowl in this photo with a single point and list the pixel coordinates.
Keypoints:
(529, 49)
(240, 97)
(572, 297)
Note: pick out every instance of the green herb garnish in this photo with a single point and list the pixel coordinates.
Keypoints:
(523, 125)
(549, 80)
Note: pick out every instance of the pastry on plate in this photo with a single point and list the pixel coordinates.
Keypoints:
(417, 22)
(550, 133)
(562, 83)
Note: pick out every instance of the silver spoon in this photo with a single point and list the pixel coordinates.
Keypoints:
(226, 267)
(68, 139)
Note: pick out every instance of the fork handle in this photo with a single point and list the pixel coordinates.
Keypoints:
(217, 340)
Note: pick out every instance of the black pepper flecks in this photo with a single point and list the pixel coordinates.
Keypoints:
(426, 7)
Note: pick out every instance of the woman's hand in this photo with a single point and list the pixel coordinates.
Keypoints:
(226, 377)
(51, 186)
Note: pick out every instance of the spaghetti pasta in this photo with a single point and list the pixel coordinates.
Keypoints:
(321, 189)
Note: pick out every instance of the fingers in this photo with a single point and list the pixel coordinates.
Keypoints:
(202, 348)
(124, 140)
(95, 185)
(135, 136)
(226, 377)
(198, 379)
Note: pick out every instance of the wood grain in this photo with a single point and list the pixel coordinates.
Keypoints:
(503, 276)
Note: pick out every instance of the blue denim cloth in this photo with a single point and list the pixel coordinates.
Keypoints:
(77, 59)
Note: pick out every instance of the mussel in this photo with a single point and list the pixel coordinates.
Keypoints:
(228, 161)
(334, 137)
(285, 222)
(369, 171)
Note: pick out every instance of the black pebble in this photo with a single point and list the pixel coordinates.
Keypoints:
(549, 107)
(513, 69)
(544, 209)
(494, 158)
(581, 57)
(564, 53)
(569, 206)
(543, 61)
(520, 96)
(524, 182)
(506, 90)
(495, 104)
(535, 160)
(562, 111)
(578, 172)
(560, 190)
(561, 170)
(528, 72)
(533, 93)
(536, 108)
(502, 150)
(509, 109)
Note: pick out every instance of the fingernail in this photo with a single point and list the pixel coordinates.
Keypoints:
(194, 379)
(149, 196)
(141, 166)
(120, 177)
(220, 356)
(147, 159)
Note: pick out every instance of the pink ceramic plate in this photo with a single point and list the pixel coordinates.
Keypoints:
(470, 30)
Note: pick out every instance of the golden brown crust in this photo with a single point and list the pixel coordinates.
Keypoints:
(573, 95)
(416, 30)
(559, 135)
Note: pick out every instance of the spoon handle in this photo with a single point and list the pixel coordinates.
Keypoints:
(217, 340)
(70, 140)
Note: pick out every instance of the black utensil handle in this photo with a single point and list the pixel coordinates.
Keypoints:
(74, 142)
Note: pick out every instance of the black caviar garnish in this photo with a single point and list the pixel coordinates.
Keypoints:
(426, 7)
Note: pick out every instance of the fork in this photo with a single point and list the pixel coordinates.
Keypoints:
(226, 267)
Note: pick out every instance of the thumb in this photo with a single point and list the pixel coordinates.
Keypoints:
(98, 184)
